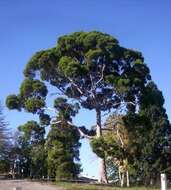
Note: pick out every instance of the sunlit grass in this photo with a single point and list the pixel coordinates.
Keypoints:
(82, 186)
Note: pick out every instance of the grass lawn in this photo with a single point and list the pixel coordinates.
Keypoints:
(82, 186)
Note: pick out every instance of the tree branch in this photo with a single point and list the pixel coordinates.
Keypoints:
(102, 76)
(106, 129)
(50, 109)
(82, 134)
(55, 122)
(124, 103)
(73, 83)
(92, 84)
(121, 141)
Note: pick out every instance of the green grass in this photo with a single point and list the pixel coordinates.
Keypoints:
(81, 186)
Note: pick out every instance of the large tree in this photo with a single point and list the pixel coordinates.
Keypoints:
(88, 67)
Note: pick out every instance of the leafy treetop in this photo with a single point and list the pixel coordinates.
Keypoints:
(90, 67)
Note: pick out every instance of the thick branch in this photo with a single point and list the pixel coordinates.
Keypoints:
(114, 122)
(50, 109)
(102, 76)
(55, 122)
(107, 129)
(121, 141)
(124, 103)
(73, 83)
(82, 134)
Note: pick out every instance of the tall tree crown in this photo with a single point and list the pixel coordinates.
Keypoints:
(90, 67)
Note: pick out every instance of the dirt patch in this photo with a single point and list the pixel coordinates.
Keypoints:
(25, 185)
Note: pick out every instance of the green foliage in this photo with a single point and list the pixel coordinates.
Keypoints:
(34, 104)
(4, 137)
(66, 110)
(99, 146)
(29, 150)
(155, 156)
(5, 144)
(44, 119)
(95, 72)
(32, 132)
(62, 145)
(31, 97)
(92, 62)
(4, 166)
(38, 156)
(71, 67)
(146, 136)
(13, 102)
(30, 87)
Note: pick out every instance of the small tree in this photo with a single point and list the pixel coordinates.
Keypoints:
(29, 150)
(5, 144)
(116, 146)
(63, 143)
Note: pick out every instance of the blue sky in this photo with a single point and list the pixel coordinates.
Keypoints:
(28, 26)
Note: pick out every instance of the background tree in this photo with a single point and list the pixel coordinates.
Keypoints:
(90, 68)
(5, 144)
(29, 150)
(63, 143)
(143, 138)
(116, 146)
(155, 157)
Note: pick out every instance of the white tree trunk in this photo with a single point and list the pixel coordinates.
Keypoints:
(102, 171)
(122, 179)
(102, 164)
(127, 179)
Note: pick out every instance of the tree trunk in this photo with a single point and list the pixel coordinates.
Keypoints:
(102, 164)
(122, 179)
(127, 178)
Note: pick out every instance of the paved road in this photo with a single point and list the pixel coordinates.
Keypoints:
(25, 185)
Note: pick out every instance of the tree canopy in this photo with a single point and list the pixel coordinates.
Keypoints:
(143, 139)
(88, 66)
(90, 70)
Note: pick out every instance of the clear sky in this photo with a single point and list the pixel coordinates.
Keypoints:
(28, 26)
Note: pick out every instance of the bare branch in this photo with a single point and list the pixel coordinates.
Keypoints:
(123, 103)
(107, 129)
(50, 109)
(121, 141)
(60, 89)
(106, 114)
(102, 76)
(54, 122)
(113, 122)
(79, 90)
(92, 84)
(56, 93)
(82, 134)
